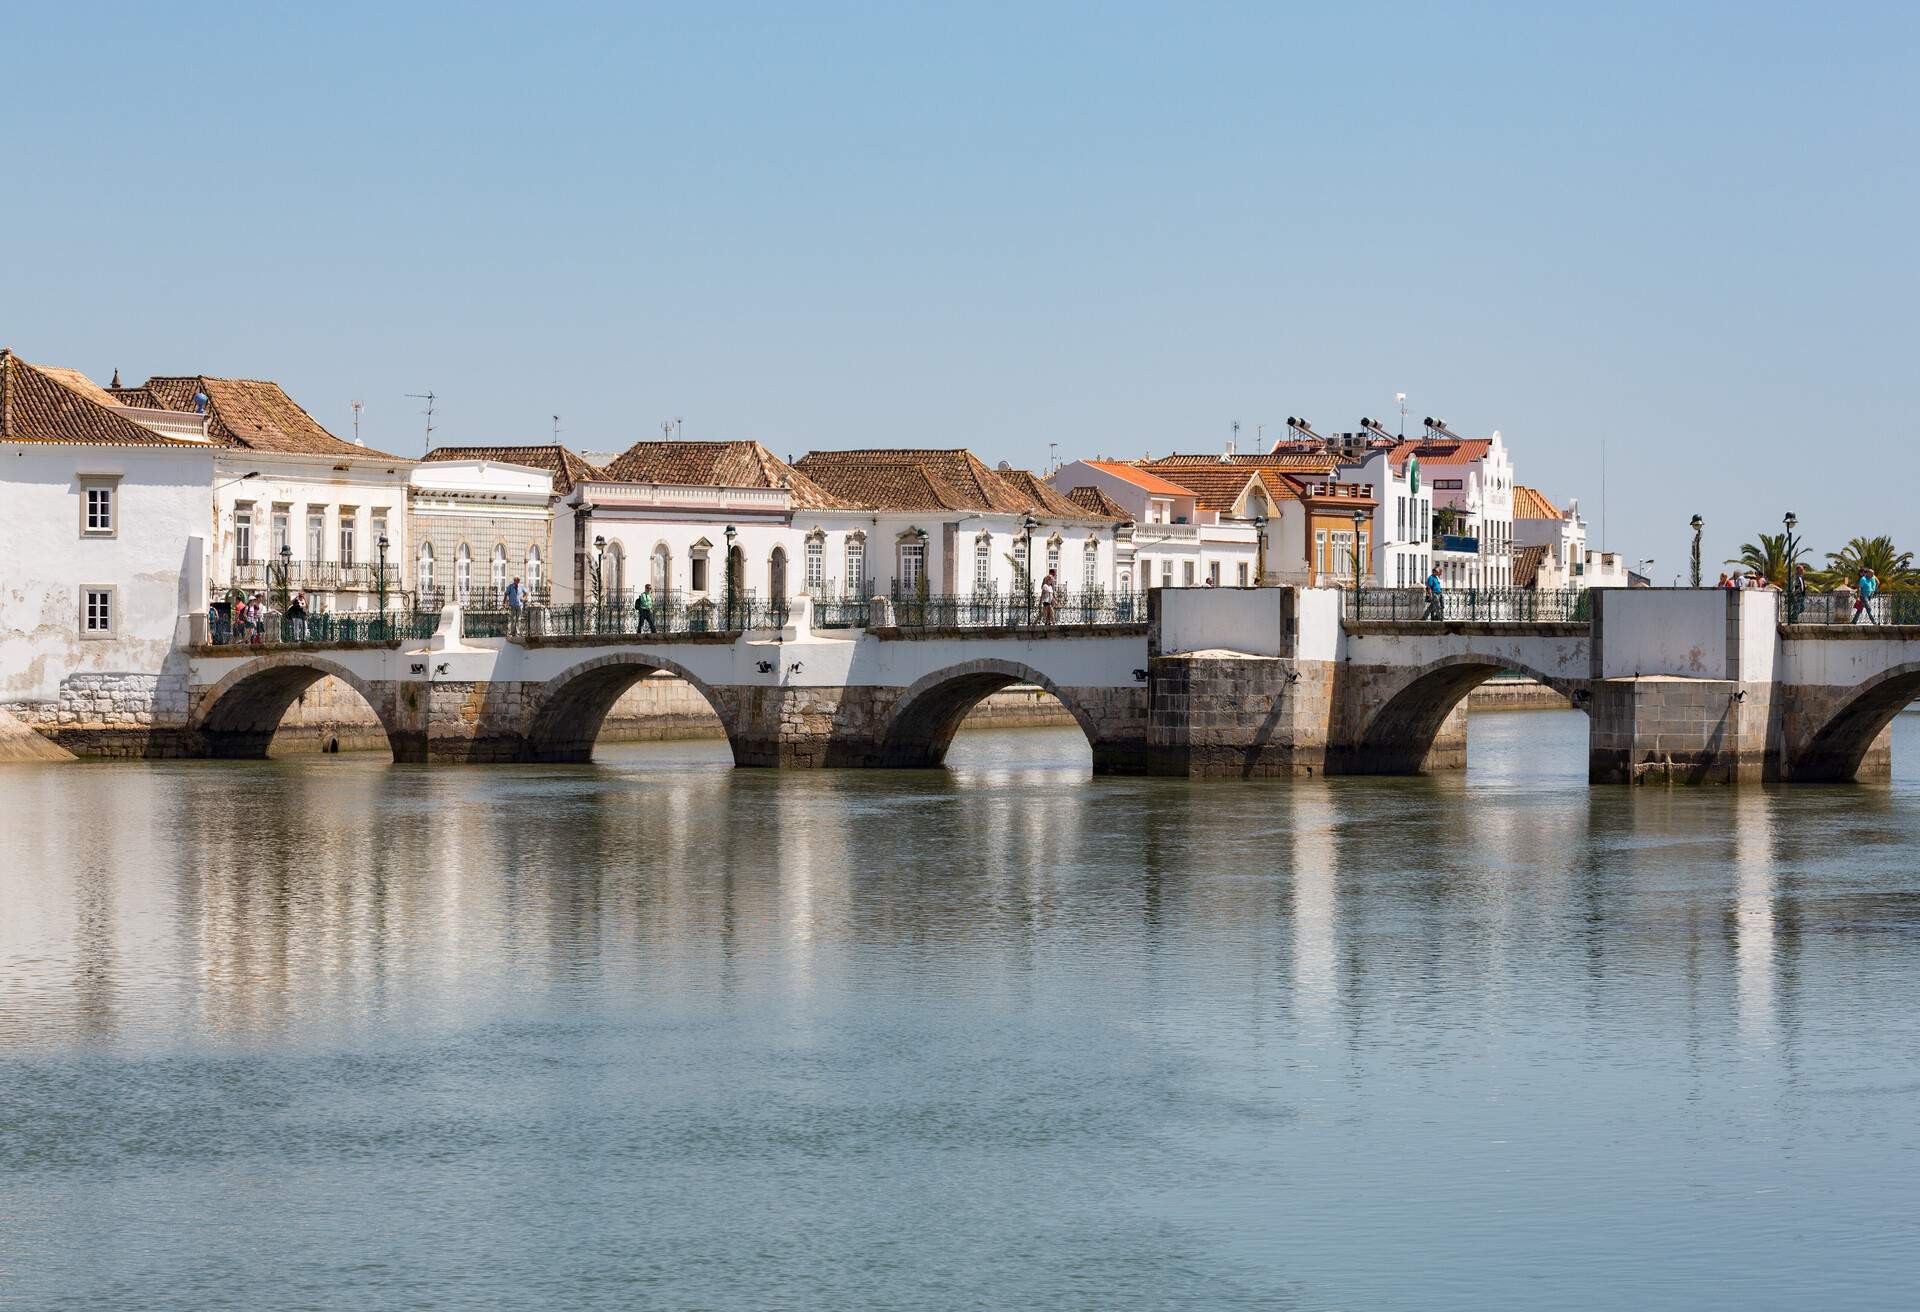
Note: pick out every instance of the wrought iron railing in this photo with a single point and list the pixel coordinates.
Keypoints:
(1018, 610)
(1896, 607)
(327, 628)
(1509, 605)
(841, 613)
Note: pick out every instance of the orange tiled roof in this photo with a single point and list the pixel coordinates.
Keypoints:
(1306, 460)
(566, 467)
(721, 464)
(1094, 500)
(255, 414)
(1443, 451)
(1526, 565)
(1043, 499)
(1140, 477)
(39, 404)
(1528, 503)
(1217, 486)
(913, 479)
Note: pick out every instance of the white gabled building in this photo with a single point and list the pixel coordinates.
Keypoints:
(108, 521)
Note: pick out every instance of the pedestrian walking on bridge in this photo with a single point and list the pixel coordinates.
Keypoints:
(643, 607)
(1869, 587)
(516, 602)
(1436, 595)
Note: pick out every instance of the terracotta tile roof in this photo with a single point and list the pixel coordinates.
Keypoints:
(135, 396)
(721, 464)
(913, 479)
(1140, 477)
(1444, 451)
(566, 467)
(1528, 503)
(1216, 486)
(45, 405)
(1047, 502)
(1311, 461)
(1526, 566)
(1098, 502)
(256, 415)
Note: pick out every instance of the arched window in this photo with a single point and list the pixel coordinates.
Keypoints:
(498, 580)
(424, 578)
(533, 570)
(613, 571)
(1053, 556)
(777, 575)
(662, 568)
(1090, 568)
(857, 586)
(983, 564)
(462, 573)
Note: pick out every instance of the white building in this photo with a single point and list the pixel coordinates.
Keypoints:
(1470, 481)
(291, 503)
(1403, 526)
(107, 520)
(1181, 538)
(1538, 523)
(475, 525)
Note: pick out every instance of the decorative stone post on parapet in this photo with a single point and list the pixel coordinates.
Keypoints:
(1682, 685)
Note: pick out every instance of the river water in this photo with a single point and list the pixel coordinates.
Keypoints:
(656, 1033)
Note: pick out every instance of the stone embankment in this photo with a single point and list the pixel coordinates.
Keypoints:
(19, 743)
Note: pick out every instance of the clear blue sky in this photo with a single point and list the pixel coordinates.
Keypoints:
(1118, 228)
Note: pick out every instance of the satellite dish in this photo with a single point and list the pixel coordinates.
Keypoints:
(1005, 468)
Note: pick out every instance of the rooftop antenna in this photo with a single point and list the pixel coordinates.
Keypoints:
(679, 429)
(1400, 398)
(1053, 458)
(429, 398)
(358, 406)
(666, 430)
(1234, 448)
(1260, 437)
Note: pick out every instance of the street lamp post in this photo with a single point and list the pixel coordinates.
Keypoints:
(286, 576)
(1359, 518)
(599, 576)
(1259, 551)
(1029, 526)
(1696, 523)
(381, 581)
(1795, 597)
(730, 535)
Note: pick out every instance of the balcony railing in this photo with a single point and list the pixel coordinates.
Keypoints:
(1456, 542)
(313, 575)
(1495, 605)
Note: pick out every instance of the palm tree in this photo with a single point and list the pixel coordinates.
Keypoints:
(1894, 567)
(1769, 559)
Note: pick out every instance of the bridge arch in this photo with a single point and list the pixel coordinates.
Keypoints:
(1397, 734)
(237, 717)
(927, 714)
(1839, 742)
(569, 709)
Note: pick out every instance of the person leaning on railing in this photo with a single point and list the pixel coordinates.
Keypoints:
(516, 602)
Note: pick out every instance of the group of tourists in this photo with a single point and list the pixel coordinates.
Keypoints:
(1865, 587)
(243, 618)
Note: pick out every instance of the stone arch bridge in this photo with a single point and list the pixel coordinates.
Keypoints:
(1678, 684)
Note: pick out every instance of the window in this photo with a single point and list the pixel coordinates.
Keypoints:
(1166, 573)
(497, 578)
(1319, 551)
(777, 574)
(1053, 557)
(856, 567)
(1126, 580)
(348, 516)
(1186, 573)
(1400, 518)
(282, 533)
(316, 535)
(662, 568)
(462, 573)
(982, 564)
(698, 565)
(96, 509)
(1448, 484)
(96, 611)
(816, 567)
(243, 535)
(613, 570)
(1090, 567)
(533, 569)
(1366, 565)
(1240, 573)
(913, 565)
(425, 575)
(1213, 573)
